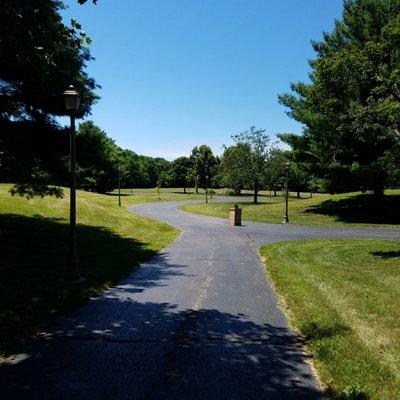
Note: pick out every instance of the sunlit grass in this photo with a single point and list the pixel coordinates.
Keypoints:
(342, 209)
(343, 295)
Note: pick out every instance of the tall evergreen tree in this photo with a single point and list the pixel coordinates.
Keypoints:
(40, 57)
(351, 108)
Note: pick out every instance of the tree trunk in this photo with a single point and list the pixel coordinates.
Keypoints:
(298, 195)
(379, 193)
(196, 187)
(184, 189)
(255, 192)
(311, 193)
(274, 193)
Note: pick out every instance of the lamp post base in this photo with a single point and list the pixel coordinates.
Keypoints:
(285, 220)
(72, 274)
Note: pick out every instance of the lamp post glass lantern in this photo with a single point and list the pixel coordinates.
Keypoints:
(286, 216)
(72, 99)
(72, 102)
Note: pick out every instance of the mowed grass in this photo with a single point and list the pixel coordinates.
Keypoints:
(321, 210)
(343, 295)
(140, 196)
(34, 247)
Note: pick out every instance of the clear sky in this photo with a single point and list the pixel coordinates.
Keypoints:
(180, 73)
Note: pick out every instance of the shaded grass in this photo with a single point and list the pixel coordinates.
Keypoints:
(343, 296)
(34, 248)
(321, 210)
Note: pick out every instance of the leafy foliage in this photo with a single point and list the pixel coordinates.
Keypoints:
(180, 170)
(203, 162)
(244, 165)
(350, 110)
(233, 167)
(40, 58)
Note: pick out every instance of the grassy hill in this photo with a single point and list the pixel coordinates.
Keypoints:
(323, 209)
(34, 247)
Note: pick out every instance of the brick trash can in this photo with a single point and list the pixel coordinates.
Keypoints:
(235, 216)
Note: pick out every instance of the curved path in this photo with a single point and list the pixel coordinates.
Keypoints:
(199, 321)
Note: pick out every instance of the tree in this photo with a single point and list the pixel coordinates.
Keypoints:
(181, 171)
(130, 165)
(350, 110)
(394, 162)
(215, 180)
(233, 167)
(299, 179)
(98, 157)
(203, 161)
(254, 151)
(25, 157)
(40, 57)
(163, 171)
(275, 173)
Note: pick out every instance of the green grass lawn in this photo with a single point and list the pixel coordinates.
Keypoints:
(343, 295)
(340, 210)
(34, 247)
(166, 194)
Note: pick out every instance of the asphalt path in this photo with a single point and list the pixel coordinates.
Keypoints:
(198, 321)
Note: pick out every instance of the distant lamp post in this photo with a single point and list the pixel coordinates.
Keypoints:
(119, 186)
(286, 216)
(206, 188)
(72, 101)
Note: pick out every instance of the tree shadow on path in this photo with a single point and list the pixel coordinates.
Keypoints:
(127, 345)
(33, 260)
(155, 351)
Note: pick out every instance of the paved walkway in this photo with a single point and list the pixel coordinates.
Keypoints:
(199, 321)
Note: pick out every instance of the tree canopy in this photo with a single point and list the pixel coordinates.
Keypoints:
(350, 109)
(40, 57)
(244, 165)
(203, 162)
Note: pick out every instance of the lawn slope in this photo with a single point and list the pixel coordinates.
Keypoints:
(34, 246)
(322, 210)
(343, 295)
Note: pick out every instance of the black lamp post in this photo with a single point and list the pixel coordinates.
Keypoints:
(286, 216)
(206, 188)
(72, 102)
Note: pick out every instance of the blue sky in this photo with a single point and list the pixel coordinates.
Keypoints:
(180, 73)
